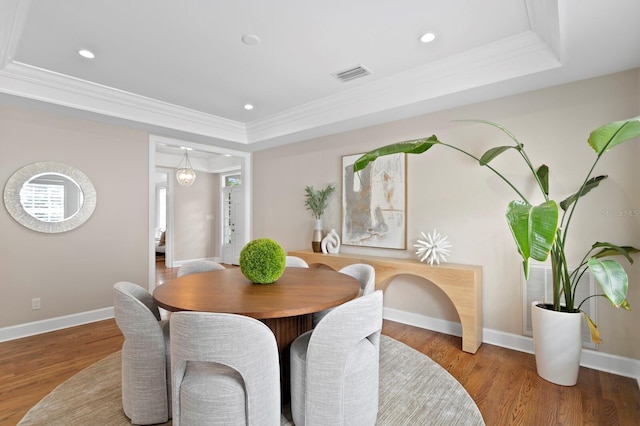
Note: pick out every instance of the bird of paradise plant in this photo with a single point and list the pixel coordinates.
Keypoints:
(540, 231)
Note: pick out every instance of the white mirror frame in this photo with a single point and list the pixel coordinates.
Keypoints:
(26, 173)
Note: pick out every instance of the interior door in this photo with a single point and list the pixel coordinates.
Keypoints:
(232, 225)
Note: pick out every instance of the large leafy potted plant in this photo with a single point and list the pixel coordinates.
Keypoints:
(541, 231)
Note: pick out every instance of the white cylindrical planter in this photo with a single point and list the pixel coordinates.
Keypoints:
(317, 237)
(557, 340)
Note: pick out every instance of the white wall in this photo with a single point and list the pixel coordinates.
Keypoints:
(453, 194)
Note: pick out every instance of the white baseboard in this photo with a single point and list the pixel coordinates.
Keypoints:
(614, 364)
(421, 321)
(178, 263)
(52, 324)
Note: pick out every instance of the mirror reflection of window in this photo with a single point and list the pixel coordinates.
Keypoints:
(51, 197)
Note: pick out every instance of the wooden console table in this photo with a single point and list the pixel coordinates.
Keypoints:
(461, 283)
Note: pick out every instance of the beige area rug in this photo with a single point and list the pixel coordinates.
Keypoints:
(414, 390)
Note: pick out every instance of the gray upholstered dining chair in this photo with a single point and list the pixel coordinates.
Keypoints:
(364, 273)
(295, 262)
(146, 364)
(335, 366)
(225, 370)
(197, 266)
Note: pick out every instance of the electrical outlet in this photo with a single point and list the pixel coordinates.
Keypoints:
(35, 303)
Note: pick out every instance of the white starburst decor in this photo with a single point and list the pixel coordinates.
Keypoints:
(433, 248)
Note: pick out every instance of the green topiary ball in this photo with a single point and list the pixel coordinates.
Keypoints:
(262, 261)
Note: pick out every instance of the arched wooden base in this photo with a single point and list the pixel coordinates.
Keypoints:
(461, 283)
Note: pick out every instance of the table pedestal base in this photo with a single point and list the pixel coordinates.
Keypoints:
(286, 330)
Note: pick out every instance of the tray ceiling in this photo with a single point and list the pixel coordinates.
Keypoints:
(183, 68)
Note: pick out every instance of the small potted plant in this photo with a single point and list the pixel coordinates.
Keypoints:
(317, 202)
(539, 231)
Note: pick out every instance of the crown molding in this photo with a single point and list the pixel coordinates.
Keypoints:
(398, 96)
(544, 18)
(46, 86)
(220, 164)
(12, 17)
(513, 57)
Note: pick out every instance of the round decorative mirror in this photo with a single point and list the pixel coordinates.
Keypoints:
(50, 197)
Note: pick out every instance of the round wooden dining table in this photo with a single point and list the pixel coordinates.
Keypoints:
(285, 306)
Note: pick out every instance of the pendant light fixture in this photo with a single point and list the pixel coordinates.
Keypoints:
(185, 175)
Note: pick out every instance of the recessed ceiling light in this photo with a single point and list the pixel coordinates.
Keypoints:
(248, 107)
(86, 53)
(427, 37)
(250, 39)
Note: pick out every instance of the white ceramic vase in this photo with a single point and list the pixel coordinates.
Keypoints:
(316, 241)
(557, 340)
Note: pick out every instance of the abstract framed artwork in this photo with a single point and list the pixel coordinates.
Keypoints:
(374, 203)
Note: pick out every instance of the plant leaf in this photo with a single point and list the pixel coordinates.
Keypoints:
(609, 135)
(543, 175)
(497, 126)
(588, 186)
(625, 305)
(609, 249)
(533, 229)
(488, 156)
(593, 328)
(416, 146)
(612, 279)
(316, 201)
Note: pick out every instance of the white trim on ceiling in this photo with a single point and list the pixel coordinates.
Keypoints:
(220, 164)
(13, 14)
(524, 54)
(39, 84)
(513, 57)
(544, 18)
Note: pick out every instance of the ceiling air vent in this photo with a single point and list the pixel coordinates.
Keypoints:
(352, 73)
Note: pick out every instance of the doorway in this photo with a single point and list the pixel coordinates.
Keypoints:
(164, 155)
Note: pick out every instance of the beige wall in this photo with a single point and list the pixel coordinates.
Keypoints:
(451, 193)
(74, 272)
(196, 218)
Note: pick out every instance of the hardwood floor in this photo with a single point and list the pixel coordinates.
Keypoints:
(505, 386)
(502, 382)
(32, 367)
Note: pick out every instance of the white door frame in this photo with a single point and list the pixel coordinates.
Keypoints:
(246, 183)
(237, 242)
(168, 254)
